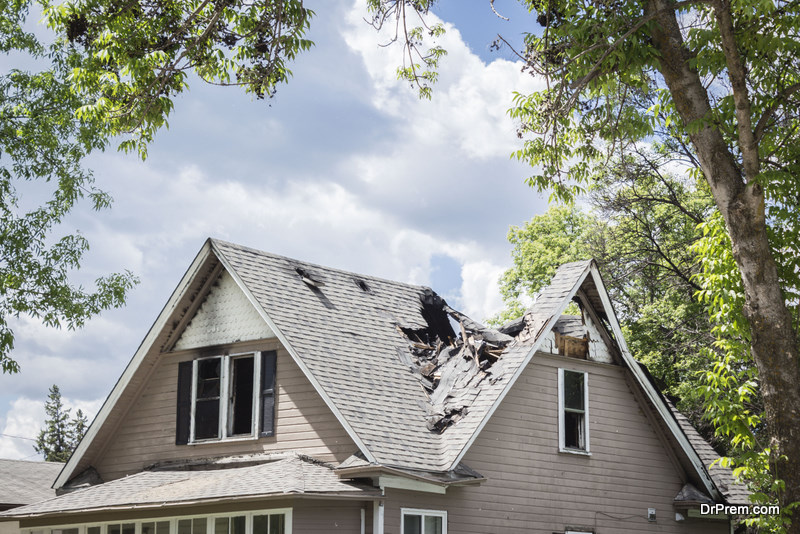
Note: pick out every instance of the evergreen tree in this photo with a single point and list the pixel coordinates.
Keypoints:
(60, 435)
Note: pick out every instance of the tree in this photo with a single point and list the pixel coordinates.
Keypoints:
(61, 435)
(639, 226)
(722, 80)
(111, 72)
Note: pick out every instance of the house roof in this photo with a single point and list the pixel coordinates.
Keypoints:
(735, 493)
(23, 482)
(293, 475)
(368, 345)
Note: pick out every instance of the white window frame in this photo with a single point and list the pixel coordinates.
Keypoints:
(420, 512)
(173, 522)
(225, 379)
(561, 410)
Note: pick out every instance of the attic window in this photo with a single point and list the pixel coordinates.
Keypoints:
(230, 396)
(573, 411)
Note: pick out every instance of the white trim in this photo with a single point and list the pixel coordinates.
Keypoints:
(549, 326)
(396, 482)
(123, 381)
(650, 391)
(423, 514)
(295, 356)
(561, 410)
(377, 517)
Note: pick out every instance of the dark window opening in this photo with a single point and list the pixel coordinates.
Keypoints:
(206, 410)
(573, 431)
(242, 396)
(574, 398)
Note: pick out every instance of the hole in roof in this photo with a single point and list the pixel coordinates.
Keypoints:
(362, 285)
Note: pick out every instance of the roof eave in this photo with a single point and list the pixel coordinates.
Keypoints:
(144, 347)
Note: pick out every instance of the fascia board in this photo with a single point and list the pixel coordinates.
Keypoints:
(295, 356)
(133, 365)
(550, 324)
(650, 391)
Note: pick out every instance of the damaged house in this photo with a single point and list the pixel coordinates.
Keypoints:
(273, 396)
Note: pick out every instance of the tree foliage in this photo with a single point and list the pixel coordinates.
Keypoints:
(61, 435)
(640, 225)
(110, 72)
(720, 79)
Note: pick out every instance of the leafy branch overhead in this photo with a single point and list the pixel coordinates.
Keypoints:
(111, 72)
(130, 58)
(419, 68)
(719, 82)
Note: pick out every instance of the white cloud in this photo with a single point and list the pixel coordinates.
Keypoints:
(24, 420)
(348, 169)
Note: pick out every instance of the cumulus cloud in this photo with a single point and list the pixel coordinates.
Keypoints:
(348, 168)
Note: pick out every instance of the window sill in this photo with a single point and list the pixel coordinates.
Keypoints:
(224, 440)
(577, 452)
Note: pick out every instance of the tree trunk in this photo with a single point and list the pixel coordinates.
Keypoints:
(773, 344)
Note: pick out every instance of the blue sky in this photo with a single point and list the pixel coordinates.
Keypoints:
(344, 167)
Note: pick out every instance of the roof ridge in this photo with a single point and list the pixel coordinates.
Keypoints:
(316, 265)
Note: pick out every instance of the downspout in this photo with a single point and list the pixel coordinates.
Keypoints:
(363, 521)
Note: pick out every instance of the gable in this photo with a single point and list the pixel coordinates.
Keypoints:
(225, 316)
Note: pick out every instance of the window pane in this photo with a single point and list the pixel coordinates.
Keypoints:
(573, 390)
(184, 526)
(574, 431)
(115, 529)
(148, 528)
(412, 524)
(162, 527)
(208, 378)
(260, 524)
(221, 525)
(238, 524)
(206, 419)
(129, 528)
(89, 530)
(242, 396)
(433, 524)
(276, 524)
(199, 525)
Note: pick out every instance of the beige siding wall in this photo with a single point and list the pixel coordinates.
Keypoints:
(311, 517)
(9, 527)
(532, 488)
(146, 433)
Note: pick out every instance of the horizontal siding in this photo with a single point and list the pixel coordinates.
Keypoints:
(309, 517)
(532, 488)
(146, 433)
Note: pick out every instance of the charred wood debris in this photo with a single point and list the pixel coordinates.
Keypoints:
(450, 366)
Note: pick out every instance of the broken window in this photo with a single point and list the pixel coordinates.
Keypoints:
(423, 521)
(573, 411)
(246, 382)
(241, 396)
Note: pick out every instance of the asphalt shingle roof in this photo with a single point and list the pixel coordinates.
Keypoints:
(24, 482)
(734, 492)
(349, 339)
(290, 476)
